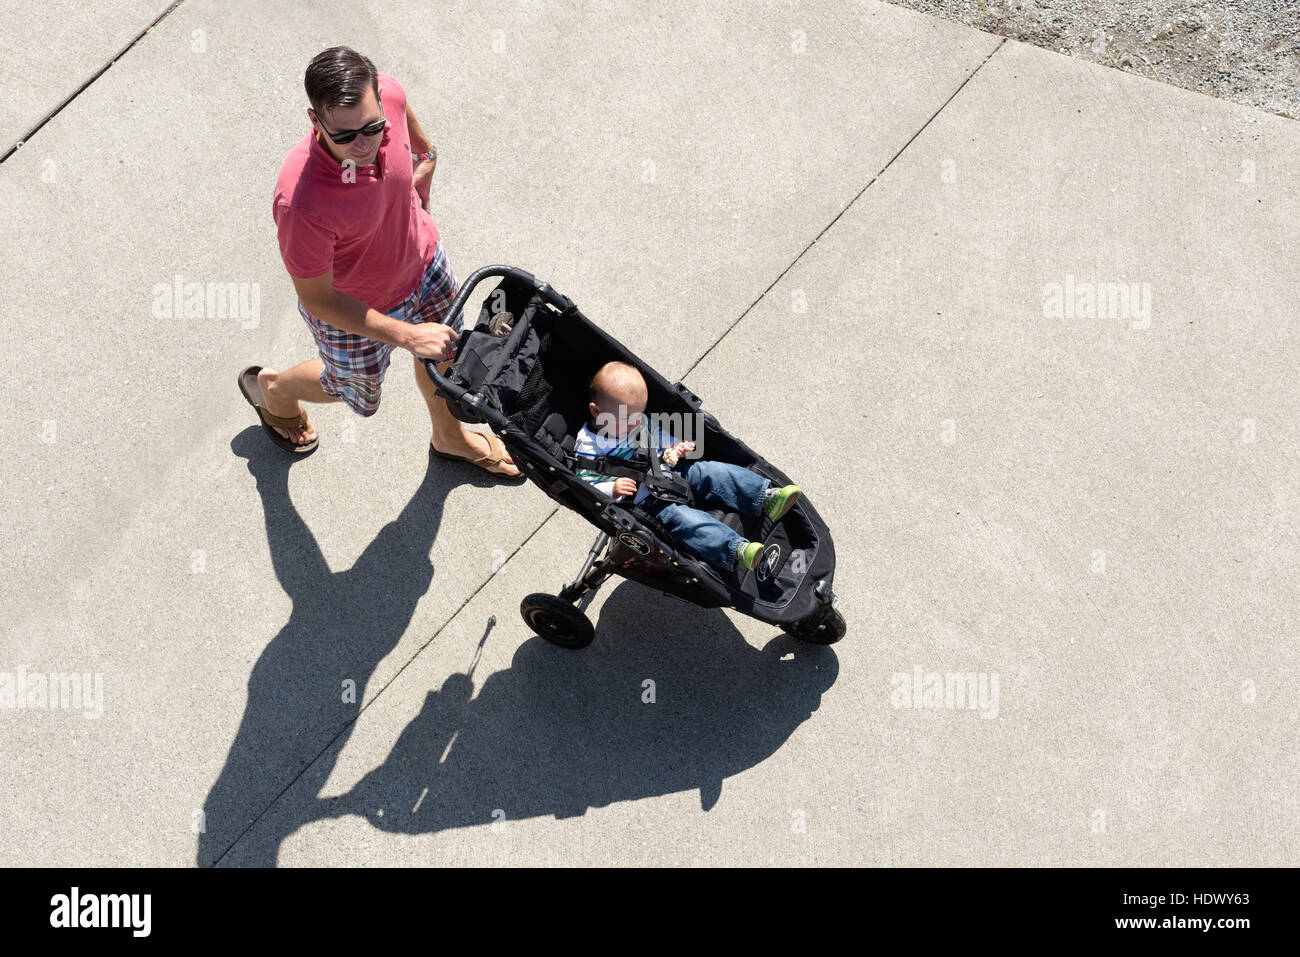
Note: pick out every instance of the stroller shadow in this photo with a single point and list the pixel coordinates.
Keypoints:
(563, 731)
(342, 624)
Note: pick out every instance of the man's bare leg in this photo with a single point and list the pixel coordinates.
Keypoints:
(282, 392)
(450, 434)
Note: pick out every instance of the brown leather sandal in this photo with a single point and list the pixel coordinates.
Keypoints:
(269, 421)
(496, 454)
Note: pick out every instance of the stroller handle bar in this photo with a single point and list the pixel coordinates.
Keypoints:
(458, 306)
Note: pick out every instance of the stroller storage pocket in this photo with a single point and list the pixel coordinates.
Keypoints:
(498, 367)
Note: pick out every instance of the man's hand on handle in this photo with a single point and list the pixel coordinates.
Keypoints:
(431, 340)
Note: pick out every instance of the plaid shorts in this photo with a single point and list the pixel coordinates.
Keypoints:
(354, 365)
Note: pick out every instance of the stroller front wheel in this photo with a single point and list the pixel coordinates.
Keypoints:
(557, 621)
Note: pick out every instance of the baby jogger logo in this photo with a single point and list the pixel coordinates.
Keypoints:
(102, 910)
(771, 556)
(635, 543)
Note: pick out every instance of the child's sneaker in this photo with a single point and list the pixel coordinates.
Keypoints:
(778, 501)
(750, 554)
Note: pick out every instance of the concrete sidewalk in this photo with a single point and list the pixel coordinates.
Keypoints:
(873, 211)
(54, 49)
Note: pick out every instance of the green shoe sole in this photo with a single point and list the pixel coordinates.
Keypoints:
(751, 555)
(782, 502)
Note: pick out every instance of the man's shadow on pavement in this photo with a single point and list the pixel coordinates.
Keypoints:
(562, 731)
(342, 625)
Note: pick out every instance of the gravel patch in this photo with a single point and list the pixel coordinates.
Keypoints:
(1247, 51)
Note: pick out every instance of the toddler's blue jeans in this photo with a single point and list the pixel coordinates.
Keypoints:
(722, 485)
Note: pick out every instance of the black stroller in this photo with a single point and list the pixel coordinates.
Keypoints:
(524, 369)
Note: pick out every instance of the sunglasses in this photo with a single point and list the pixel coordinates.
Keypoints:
(347, 136)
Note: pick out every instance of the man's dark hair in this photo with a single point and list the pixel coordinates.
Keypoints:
(338, 77)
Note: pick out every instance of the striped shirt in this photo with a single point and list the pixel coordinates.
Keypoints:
(592, 444)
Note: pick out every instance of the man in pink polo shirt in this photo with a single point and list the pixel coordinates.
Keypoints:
(351, 210)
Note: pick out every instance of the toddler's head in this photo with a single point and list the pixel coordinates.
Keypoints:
(616, 398)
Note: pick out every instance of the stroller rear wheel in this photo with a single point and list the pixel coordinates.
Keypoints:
(827, 631)
(557, 621)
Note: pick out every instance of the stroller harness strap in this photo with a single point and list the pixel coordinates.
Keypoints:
(662, 482)
(610, 465)
(645, 467)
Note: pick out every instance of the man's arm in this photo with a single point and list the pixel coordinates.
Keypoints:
(429, 340)
(419, 142)
(422, 172)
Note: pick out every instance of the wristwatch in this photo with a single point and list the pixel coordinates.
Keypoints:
(432, 154)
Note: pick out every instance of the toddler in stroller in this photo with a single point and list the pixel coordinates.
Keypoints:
(617, 397)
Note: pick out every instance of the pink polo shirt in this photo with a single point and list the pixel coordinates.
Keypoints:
(366, 224)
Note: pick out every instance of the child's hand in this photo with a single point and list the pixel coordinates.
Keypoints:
(624, 486)
(684, 447)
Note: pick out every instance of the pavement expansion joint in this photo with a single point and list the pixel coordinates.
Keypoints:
(22, 140)
(849, 205)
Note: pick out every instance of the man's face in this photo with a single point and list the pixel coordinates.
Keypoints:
(364, 149)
